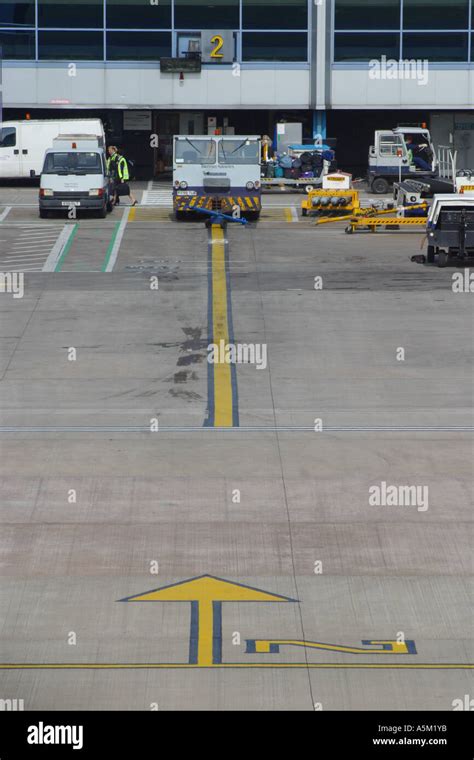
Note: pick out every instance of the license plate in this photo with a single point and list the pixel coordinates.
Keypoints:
(186, 193)
(467, 188)
(71, 203)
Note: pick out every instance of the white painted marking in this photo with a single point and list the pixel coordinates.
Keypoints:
(25, 247)
(39, 235)
(157, 195)
(18, 259)
(5, 213)
(25, 269)
(118, 240)
(58, 248)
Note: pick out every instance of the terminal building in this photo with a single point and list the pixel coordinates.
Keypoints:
(340, 68)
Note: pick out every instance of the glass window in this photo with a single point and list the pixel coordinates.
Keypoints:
(435, 14)
(274, 14)
(17, 45)
(71, 46)
(195, 151)
(206, 14)
(7, 137)
(370, 14)
(390, 145)
(72, 163)
(275, 46)
(365, 47)
(436, 47)
(138, 14)
(238, 152)
(17, 14)
(138, 46)
(67, 13)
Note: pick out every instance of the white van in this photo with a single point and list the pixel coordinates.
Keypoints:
(23, 143)
(74, 174)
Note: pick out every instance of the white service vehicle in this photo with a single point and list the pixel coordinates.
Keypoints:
(23, 143)
(389, 159)
(450, 228)
(217, 172)
(75, 175)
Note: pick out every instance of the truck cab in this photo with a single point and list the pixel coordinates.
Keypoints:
(389, 157)
(75, 175)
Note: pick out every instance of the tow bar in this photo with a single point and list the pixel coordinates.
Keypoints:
(217, 217)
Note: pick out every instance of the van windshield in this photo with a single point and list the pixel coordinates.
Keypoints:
(189, 151)
(72, 163)
(239, 151)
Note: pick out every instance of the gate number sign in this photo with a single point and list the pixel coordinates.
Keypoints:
(217, 46)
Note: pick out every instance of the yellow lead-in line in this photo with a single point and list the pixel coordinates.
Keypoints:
(220, 329)
(186, 665)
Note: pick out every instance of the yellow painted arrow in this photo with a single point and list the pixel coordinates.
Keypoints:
(206, 594)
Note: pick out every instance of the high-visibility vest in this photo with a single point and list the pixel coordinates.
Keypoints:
(111, 160)
(122, 169)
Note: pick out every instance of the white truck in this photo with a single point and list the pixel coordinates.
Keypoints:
(23, 143)
(407, 152)
(75, 175)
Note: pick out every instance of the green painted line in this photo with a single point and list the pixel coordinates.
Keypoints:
(67, 248)
(111, 247)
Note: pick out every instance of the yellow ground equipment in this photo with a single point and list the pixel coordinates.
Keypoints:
(369, 220)
(330, 202)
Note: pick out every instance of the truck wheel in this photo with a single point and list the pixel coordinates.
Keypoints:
(442, 259)
(252, 216)
(304, 212)
(380, 186)
(179, 215)
(430, 254)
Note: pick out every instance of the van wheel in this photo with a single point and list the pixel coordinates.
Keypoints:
(110, 206)
(102, 213)
(380, 186)
(43, 214)
(430, 254)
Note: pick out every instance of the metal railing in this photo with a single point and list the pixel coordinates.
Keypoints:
(447, 159)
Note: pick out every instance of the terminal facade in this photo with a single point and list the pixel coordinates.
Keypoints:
(341, 68)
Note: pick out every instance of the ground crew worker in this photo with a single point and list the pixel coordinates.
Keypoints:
(413, 155)
(123, 176)
(266, 148)
(111, 161)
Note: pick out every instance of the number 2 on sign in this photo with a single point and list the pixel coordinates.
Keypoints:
(218, 42)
